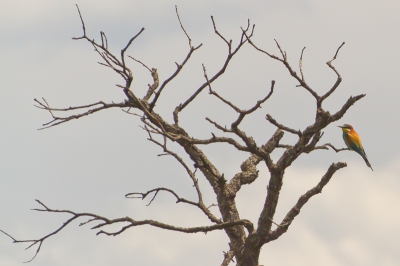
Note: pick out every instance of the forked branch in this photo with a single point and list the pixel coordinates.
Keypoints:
(126, 223)
(178, 66)
(200, 203)
(301, 78)
(57, 120)
(339, 78)
(118, 65)
(229, 57)
(287, 221)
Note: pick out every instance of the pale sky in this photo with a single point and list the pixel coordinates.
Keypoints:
(88, 165)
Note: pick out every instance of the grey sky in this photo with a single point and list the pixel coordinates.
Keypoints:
(91, 163)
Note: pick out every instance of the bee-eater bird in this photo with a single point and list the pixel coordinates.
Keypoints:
(353, 142)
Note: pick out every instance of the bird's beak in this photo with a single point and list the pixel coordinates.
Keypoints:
(340, 126)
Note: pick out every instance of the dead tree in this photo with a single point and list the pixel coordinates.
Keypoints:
(245, 238)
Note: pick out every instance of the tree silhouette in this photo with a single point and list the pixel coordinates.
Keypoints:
(245, 238)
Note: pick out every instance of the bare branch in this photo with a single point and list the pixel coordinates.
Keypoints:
(284, 146)
(156, 81)
(234, 127)
(179, 66)
(224, 129)
(103, 221)
(215, 139)
(200, 204)
(154, 86)
(104, 40)
(228, 258)
(283, 227)
(280, 49)
(140, 62)
(312, 146)
(316, 148)
(108, 57)
(287, 65)
(255, 107)
(187, 35)
(242, 113)
(335, 149)
(251, 145)
(40, 241)
(301, 64)
(280, 126)
(83, 24)
(219, 34)
(178, 69)
(339, 114)
(141, 195)
(339, 78)
(229, 57)
(248, 174)
(270, 146)
(126, 47)
(216, 94)
(59, 120)
(249, 171)
(258, 104)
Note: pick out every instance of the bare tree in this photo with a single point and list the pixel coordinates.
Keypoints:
(245, 238)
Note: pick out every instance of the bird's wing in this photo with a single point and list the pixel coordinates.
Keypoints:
(355, 143)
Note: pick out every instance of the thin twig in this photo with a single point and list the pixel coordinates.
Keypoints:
(339, 78)
(336, 149)
(187, 35)
(301, 64)
(140, 62)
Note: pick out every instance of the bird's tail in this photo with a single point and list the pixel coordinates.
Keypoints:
(366, 161)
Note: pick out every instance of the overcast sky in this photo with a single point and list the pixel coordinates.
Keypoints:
(88, 165)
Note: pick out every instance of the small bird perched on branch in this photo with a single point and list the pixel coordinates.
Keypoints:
(353, 142)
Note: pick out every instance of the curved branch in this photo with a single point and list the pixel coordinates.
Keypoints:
(215, 139)
(339, 114)
(126, 47)
(339, 78)
(301, 64)
(187, 35)
(248, 174)
(141, 195)
(284, 225)
(335, 149)
(131, 223)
